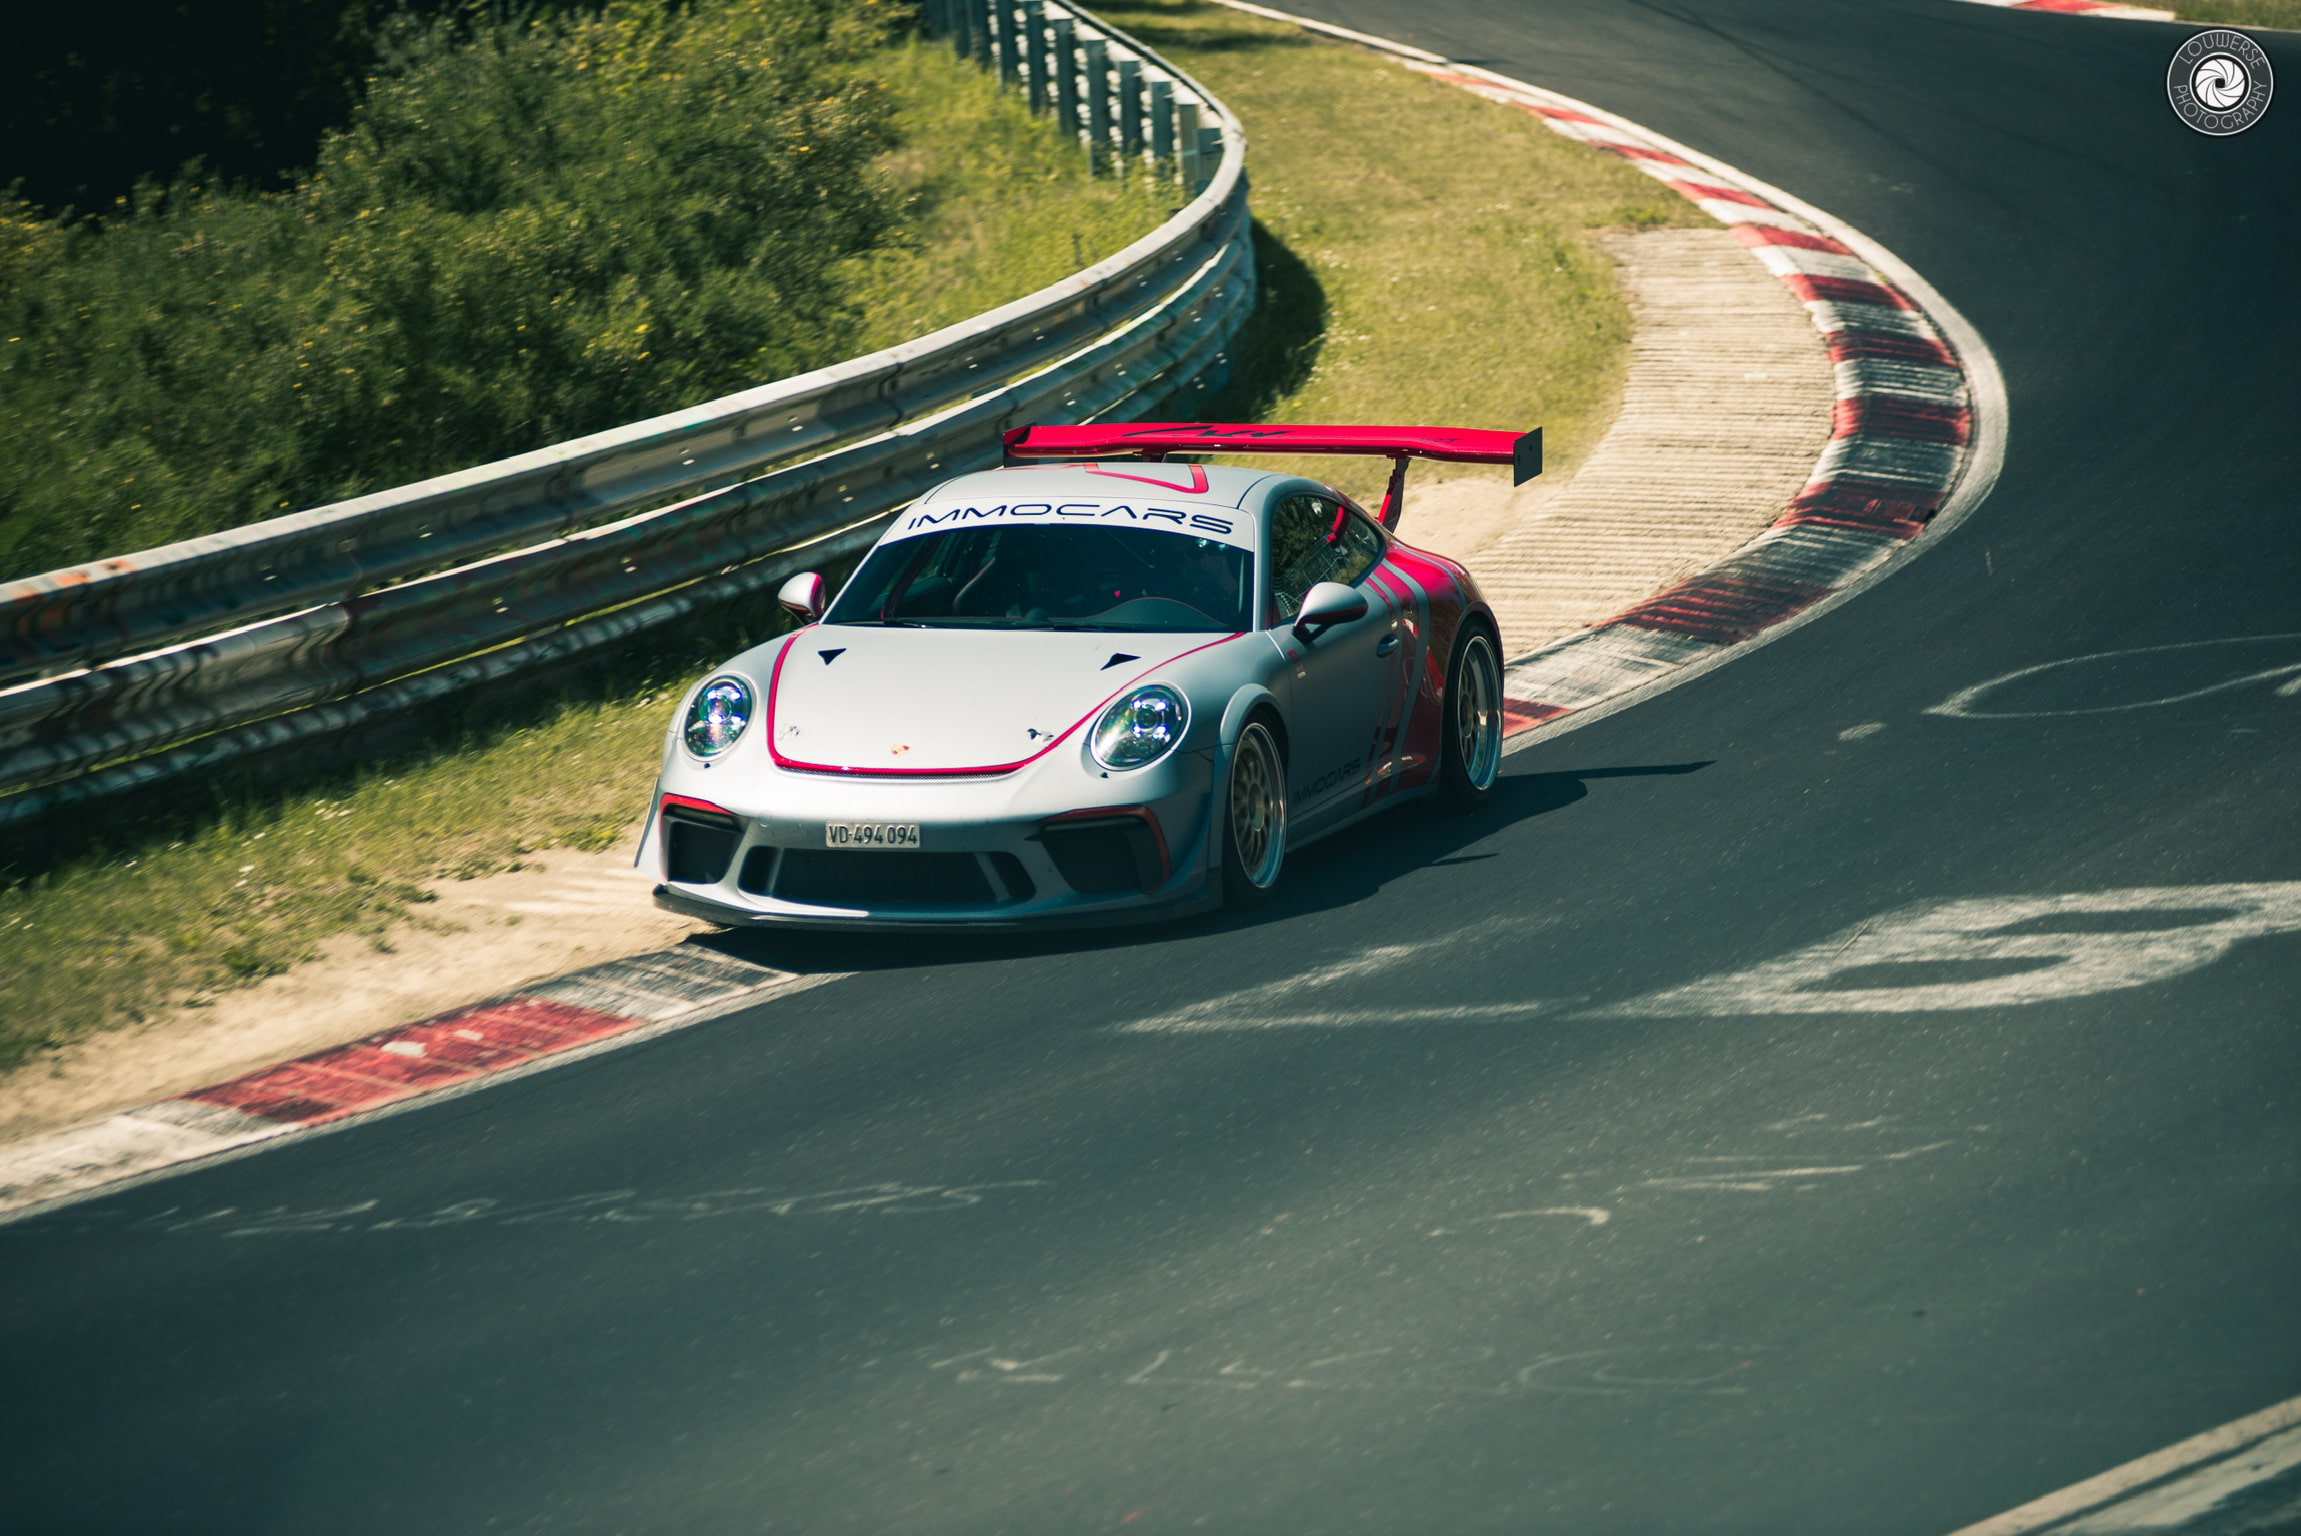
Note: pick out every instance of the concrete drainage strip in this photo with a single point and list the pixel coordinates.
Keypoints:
(1916, 431)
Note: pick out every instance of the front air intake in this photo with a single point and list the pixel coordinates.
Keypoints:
(1105, 856)
(700, 845)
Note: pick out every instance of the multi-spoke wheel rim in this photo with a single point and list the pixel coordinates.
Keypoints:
(1478, 714)
(1257, 807)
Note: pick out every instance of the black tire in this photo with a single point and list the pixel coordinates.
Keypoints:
(1470, 747)
(1252, 808)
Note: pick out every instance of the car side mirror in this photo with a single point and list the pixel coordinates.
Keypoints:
(1328, 604)
(803, 595)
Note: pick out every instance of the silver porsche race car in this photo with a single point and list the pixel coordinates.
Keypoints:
(1094, 685)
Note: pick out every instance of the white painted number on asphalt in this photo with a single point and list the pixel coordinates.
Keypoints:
(1992, 951)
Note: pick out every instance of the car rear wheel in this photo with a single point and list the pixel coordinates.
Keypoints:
(1470, 759)
(1253, 818)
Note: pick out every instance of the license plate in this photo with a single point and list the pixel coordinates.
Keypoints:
(870, 834)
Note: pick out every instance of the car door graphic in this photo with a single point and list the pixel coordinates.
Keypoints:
(1340, 680)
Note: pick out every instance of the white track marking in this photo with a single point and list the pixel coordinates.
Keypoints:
(1282, 1004)
(619, 1206)
(2207, 1451)
(1189, 1021)
(2124, 938)
(1012, 1372)
(1962, 704)
(1747, 1180)
(1246, 1008)
(1595, 1215)
(1611, 1378)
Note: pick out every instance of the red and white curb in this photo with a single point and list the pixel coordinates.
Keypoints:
(2083, 8)
(1918, 436)
(579, 1014)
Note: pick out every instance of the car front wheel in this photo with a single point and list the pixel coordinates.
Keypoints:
(1253, 818)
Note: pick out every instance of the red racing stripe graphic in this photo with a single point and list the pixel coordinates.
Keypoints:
(1442, 584)
(776, 677)
(1196, 486)
(1397, 697)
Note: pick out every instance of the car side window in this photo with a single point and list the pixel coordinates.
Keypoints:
(1315, 539)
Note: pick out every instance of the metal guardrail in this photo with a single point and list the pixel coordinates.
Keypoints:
(131, 670)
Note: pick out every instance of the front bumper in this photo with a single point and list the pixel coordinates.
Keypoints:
(1051, 844)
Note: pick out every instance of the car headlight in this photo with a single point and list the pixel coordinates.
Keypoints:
(717, 717)
(1140, 728)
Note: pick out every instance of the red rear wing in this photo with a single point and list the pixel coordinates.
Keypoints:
(1522, 451)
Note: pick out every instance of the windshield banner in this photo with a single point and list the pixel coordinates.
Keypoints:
(1226, 524)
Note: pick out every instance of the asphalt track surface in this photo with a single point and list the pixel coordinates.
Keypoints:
(1875, 1270)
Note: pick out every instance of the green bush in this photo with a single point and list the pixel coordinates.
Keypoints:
(527, 231)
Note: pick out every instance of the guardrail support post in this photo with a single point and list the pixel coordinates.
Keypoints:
(1161, 121)
(1209, 156)
(1130, 105)
(1187, 146)
(1012, 27)
(1035, 55)
(1095, 62)
(1064, 68)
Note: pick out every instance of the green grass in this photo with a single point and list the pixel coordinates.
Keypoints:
(996, 203)
(1438, 269)
(2241, 13)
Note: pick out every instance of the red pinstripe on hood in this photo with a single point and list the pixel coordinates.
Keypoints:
(911, 702)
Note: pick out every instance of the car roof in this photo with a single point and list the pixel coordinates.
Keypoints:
(1227, 485)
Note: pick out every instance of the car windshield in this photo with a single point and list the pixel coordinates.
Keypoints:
(1134, 579)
